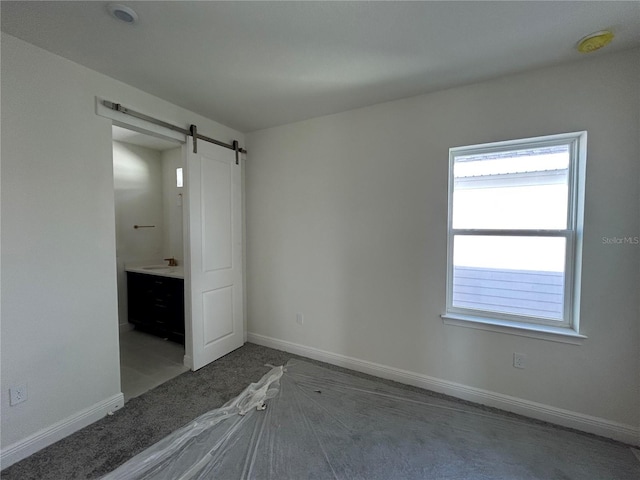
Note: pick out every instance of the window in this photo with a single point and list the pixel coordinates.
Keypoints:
(514, 236)
(179, 182)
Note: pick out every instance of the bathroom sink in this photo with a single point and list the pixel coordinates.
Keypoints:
(161, 268)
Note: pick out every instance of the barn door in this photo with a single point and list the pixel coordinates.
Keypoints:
(214, 293)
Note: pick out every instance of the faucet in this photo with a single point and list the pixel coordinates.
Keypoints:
(172, 262)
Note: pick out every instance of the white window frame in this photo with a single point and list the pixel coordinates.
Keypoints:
(566, 330)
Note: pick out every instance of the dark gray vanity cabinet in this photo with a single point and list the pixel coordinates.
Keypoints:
(156, 304)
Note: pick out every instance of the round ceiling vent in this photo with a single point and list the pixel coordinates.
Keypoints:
(122, 13)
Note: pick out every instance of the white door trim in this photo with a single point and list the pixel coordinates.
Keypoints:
(132, 123)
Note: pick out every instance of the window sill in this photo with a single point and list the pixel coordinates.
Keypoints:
(542, 332)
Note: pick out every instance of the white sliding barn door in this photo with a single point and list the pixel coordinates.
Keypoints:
(214, 298)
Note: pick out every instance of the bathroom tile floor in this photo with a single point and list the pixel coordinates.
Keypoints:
(147, 361)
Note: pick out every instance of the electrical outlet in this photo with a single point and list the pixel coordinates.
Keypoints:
(299, 318)
(18, 394)
(519, 360)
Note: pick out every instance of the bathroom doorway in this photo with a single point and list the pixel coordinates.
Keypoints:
(212, 236)
(150, 255)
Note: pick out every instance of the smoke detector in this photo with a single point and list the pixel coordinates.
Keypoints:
(595, 41)
(122, 13)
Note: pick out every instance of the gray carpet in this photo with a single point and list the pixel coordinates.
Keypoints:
(103, 446)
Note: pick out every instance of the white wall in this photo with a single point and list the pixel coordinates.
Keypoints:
(346, 223)
(138, 189)
(172, 245)
(59, 327)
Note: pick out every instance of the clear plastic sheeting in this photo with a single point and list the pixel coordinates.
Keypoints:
(323, 424)
(187, 452)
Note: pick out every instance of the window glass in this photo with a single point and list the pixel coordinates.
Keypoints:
(511, 190)
(518, 275)
(179, 181)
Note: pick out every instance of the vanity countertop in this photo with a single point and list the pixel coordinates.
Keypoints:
(161, 270)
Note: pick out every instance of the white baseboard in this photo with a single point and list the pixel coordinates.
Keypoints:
(587, 423)
(57, 431)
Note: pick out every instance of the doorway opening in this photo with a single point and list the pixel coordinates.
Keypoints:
(149, 259)
(212, 238)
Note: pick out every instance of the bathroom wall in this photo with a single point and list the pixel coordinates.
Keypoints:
(137, 183)
(172, 244)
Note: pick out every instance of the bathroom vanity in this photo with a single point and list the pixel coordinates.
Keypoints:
(156, 300)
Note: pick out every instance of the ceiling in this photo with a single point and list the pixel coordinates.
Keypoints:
(253, 65)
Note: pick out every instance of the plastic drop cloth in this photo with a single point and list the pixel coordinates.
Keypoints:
(323, 424)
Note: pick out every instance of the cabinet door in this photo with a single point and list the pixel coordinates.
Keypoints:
(175, 301)
(139, 296)
(168, 308)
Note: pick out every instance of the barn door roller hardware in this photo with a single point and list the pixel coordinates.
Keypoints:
(191, 132)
